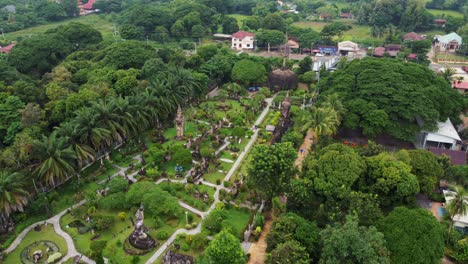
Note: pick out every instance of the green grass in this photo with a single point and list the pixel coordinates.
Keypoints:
(121, 230)
(96, 21)
(358, 33)
(240, 18)
(438, 12)
(46, 233)
(178, 190)
(238, 219)
(212, 177)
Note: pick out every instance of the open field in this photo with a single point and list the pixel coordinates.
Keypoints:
(438, 12)
(96, 21)
(358, 33)
(239, 18)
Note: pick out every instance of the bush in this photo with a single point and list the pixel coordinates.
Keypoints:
(437, 197)
(117, 184)
(199, 242)
(114, 201)
(103, 222)
(218, 181)
(163, 235)
(258, 220)
(122, 216)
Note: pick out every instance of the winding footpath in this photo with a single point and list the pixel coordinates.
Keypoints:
(72, 251)
(197, 230)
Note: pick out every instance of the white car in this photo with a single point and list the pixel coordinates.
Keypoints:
(319, 55)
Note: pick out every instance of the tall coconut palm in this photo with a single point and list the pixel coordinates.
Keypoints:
(107, 115)
(448, 73)
(13, 195)
(90, 131)
(84, 152)
(322, 121)
(56, 159)
(333, 101)
(457, 203)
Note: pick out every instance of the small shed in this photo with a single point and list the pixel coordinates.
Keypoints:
(379, 52)
(445, 137)
(346, 47)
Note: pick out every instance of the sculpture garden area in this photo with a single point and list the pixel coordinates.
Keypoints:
(134, 195)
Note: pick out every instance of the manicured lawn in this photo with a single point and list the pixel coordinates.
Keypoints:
(46, 233)
(212, 177)
(120, 231)
(238, 219)
(437, 12)
(96, 21)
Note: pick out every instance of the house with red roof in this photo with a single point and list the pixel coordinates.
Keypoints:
(413, 36)
(89, 5)
(7, 48)
(87, 8)
(243, 40)
(462, 87)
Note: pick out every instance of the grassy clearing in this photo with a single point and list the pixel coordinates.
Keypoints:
(358, 33)
(96, 21)
(186, 193)
(212, 177)
(46, 233)
(438, 12)
(240, 19)
(238, 218)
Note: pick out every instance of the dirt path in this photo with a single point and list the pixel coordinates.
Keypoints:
(258, 250)
(301, 155)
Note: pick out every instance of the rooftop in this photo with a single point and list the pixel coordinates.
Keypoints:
(457, 157)
(7, 48)
(449, 37)
(89, 5)
(413, 36)
(460, 85)
(242, 34)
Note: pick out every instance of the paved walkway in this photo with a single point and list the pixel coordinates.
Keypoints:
(55, 221)
(308, 142)
(197, 230)
(223, 147)
(258, 250)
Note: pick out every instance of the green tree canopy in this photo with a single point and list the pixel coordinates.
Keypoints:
(413, 236)
(293, 227)
(385, 96)
(247, 72)
(289, 252)
(272, 168)
(350, 243)
(425, 166)
(225, 248)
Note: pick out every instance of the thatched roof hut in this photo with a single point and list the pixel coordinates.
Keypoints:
(282, 79)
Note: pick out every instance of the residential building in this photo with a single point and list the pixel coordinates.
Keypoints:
(346, 15)
(243, 40)
(440, 22)
(445, 137)
(347, 48)
(7, 48)
(450, 42)
(413, 36)
(462, 87)
(460, 222)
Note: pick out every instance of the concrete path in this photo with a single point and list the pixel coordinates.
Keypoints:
(197, 230)
(223, 147)
(252, 139)
(55, 221)
(121, 172)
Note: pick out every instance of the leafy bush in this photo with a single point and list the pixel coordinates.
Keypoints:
(258, 221)
(162, 235)
(122, 216)
(199, 242)
(103, 222)
(114, 201)
(212, 222)
(117, 184)
(437, 197)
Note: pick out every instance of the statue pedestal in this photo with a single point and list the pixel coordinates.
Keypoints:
(141, 241)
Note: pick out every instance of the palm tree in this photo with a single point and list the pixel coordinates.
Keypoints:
(448, 73)
(333, 101)
(13, 195)
(84, 152)
(322, 121)
(457, 203)
(56, 159)
(90, 131)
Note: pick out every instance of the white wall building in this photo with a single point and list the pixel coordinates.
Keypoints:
(243, 40)
(445, 137)
(450, 42)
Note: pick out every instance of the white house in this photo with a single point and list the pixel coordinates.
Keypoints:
(243, 40)
(446, 137)
(450, 42)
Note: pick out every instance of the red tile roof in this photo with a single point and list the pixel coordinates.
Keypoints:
(460, 85)
(413, 36)
(242, 34)
(379, 51)
(7, 49)
(89, 5)
(412, 56)
(457, 157)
